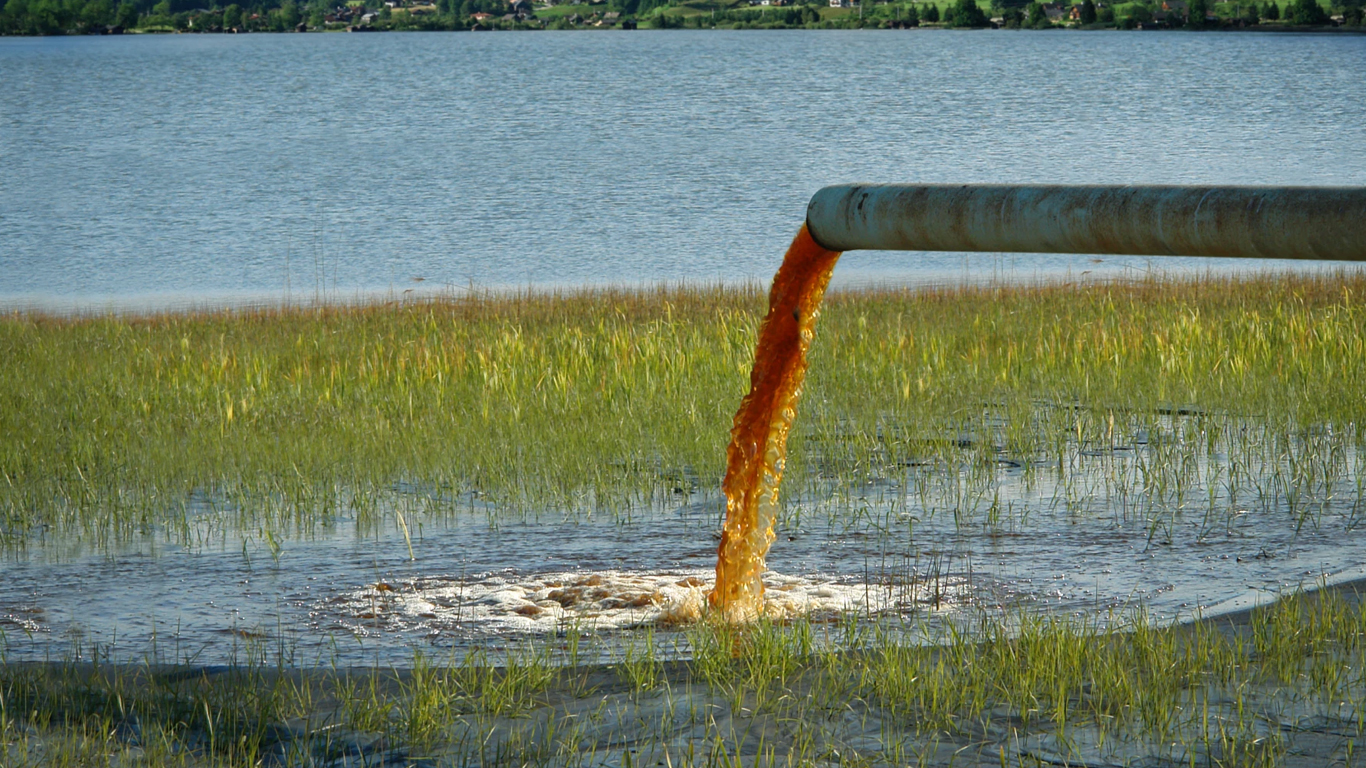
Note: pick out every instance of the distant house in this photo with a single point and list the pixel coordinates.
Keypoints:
(1171, 8)
(521, 7)
(481, 16)
(841, 4)
(1054, 12)
(611, 17)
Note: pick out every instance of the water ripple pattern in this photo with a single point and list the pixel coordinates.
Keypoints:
(189, 170)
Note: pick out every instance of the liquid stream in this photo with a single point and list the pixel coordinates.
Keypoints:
(758, 444)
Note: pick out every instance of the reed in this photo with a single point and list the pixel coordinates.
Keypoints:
(614, 400)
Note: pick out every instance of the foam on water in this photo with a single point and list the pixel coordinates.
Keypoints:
(612, 599)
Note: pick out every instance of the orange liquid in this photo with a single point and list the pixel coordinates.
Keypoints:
(758, 440)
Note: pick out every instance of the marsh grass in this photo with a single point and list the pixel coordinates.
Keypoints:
(1167, 403)
(1162, 398)
(1245, 690)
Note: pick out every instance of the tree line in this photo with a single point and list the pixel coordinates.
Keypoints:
(1195, 15)
(55, 17)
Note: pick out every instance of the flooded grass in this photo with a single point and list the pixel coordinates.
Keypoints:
(1208, 418)
(613, 401)
(1284, 684)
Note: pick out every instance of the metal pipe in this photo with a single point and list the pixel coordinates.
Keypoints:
(1237, 222)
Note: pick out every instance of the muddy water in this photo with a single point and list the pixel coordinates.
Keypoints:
(884, 550)
(757, 452)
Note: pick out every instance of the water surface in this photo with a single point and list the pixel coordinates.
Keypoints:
(155, 171)
(909, 549)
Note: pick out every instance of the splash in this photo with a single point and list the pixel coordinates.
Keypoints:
(758, 439)
(508, 604)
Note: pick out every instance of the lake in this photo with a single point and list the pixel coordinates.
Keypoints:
(173, 171)
(169, 172)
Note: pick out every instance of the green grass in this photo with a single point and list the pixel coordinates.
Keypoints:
(611, 400)
(1161, 400)
(563, 11)
(871, 12)
(1245, 690)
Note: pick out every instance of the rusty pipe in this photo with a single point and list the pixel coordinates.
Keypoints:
(1233, 222)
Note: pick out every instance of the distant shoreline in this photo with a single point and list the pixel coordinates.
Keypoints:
(99, 17)
(923, 28)
(135, 307)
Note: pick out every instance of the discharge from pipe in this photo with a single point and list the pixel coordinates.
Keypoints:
(1326, 223)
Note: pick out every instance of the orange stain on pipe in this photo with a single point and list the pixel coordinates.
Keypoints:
(758, 439)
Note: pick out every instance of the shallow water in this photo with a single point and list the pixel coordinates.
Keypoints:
(185, 170)
(284, 170)
(909, 551)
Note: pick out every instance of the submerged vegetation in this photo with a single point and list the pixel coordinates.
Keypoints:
(1247, 390)
(1283, 684)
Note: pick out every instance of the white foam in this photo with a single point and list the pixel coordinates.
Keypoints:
(604, 600)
